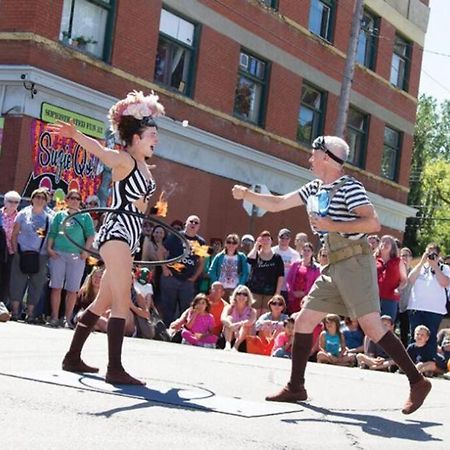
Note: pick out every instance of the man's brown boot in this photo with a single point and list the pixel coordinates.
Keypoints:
(417, 395)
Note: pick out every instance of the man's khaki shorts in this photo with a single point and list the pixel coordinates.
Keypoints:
(348, 288)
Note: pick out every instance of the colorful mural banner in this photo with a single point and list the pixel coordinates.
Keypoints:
(2, 124)
(60, 163)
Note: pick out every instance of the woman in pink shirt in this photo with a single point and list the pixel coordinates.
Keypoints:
(300, 278)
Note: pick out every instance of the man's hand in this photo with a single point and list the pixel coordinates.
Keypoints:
(239, 191)
(321, 223)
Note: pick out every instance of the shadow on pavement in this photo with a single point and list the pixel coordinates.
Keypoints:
(414, 430)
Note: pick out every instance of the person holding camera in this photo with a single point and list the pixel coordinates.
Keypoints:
(429, 279)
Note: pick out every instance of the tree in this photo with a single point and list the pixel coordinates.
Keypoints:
(430, 176)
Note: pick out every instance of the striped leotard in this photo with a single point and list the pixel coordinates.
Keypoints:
(125, 227)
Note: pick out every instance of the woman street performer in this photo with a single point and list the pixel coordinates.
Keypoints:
(339, 211)
(118, 238)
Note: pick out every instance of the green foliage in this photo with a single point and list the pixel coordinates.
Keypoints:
(430, 177)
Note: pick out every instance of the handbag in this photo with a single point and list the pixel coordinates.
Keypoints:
(29, 259)
(144, 327)
(161, 333)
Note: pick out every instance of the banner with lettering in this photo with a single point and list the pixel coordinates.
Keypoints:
(60, 163)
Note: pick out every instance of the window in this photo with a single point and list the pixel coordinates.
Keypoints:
(357, 127)
(175, 54)
(251, 88)
(391, 153)
(272, 4)
(310, 117)
(400, 63)
(321, 18)
(367, 43)
(87, 25)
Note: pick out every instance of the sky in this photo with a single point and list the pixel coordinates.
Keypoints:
(435, 76)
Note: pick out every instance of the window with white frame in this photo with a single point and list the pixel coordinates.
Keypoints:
(251, 88)
(391, 153)
(367, 42)
(311, 114)
(86, 25)
(174, 64)
(400, 63)
(321, 18)
(356, 136)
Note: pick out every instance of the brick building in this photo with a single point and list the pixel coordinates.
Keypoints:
(256, 79)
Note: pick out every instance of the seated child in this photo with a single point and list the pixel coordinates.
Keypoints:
(332, 348)
(424, 357)
(374, 357)
(282, 347)
(354, 336)
(196, 324)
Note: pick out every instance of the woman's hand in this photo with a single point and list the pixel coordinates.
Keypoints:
(52, 253)
(62, 129)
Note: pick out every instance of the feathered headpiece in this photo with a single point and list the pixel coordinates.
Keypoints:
(135, 104)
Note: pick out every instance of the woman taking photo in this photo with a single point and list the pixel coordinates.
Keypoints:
(118, 238)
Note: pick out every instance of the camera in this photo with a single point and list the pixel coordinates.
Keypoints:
(432, 256)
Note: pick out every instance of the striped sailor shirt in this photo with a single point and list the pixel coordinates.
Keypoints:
(350, 195)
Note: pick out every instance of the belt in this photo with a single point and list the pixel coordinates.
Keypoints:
(347, 252)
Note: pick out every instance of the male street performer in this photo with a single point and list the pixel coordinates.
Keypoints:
(341, 213)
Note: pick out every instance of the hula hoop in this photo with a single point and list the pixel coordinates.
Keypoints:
(96, 254)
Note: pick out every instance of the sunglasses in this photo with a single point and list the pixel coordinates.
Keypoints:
(242, 293)
(319, 144)
(277, 304)
(74, 198)
(284, 237)
(194, 222)
(40, 197)
(231, 242)
(93, 203)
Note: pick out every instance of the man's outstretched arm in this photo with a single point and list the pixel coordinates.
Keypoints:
(269, 202)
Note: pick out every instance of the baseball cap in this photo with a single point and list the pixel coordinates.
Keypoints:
(248, 237)
(284, 231)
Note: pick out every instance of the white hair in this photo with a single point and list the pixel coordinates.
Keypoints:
(337, 146)
(12, 195)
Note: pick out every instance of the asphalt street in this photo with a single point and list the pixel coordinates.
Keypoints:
(199, 398)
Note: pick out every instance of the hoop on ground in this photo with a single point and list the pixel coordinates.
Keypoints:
(184, 242)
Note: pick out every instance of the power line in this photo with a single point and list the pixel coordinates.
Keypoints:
(436, 81)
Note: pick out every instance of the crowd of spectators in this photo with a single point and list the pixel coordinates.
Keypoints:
(243, 295)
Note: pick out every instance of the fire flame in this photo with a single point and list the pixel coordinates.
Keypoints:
(199, 250)
(178, 267)
(162, 205)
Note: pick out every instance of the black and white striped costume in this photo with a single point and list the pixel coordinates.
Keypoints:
(124, 227)
(348, 196)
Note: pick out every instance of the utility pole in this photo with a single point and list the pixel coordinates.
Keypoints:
(349, 70)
